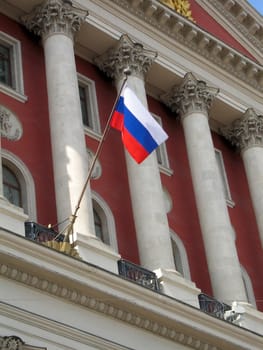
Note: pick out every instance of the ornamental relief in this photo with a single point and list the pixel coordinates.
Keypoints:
(53, 16)
(15, 343)
(246, 131)
(10, 126)
(191, 96)
(11, 343)
(180, 6)
(126, 55)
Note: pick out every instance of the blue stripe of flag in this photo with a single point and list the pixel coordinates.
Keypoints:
(137, 130)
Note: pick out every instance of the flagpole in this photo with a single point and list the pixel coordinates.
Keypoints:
(73, 217)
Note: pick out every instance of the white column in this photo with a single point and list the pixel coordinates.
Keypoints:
(56, 23)
(146, 192)
(246, 134)
(192, 100)
(152, 229)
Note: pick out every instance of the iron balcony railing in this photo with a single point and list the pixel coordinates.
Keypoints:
(212, 306)
(40, 233)
(138, 274)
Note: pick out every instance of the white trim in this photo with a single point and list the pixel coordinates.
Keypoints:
(17, 69)
(109, 218)
(164, 166)
(183, 255)
(26, 181)
(89, 85)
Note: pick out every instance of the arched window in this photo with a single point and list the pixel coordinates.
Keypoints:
(11, 187)
(104, 221)
(180, 256)
(18, 184)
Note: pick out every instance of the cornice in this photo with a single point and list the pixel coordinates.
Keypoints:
(63, 277)
(242, 19)
(199, 41)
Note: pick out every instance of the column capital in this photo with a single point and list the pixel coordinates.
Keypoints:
(52, 17)
(191, 96)
(126, 54)
(246, 131)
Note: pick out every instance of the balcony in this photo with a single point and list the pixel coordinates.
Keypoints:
(138, 274)
(212, 306)
(40, 233)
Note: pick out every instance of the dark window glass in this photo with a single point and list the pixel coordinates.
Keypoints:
(98, 225)
(11, 187)
(5, 65)
(84, 106)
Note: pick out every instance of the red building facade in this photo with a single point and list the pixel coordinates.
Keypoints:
(111, 193)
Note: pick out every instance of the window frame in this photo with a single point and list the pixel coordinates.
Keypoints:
(182, 255)
(26, 181)
(17, 89)
(92, 107)
(107, 218)
(161, 153)
(223, 177)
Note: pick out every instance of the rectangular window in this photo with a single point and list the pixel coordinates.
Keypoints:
(11, 73)
(223, 176)
(89, 106)
(86, 118)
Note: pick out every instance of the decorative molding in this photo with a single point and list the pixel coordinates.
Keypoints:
(191, 96)
(126, 55)
(97, 170)
(65, 278)
(10, 127)
(99, 305)
(196, 39)
(52, 17)
(245, 132)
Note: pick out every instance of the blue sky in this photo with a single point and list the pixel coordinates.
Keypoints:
(258, 4)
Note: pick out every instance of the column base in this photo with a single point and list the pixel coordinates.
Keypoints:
(93, 251)
(12, 218)
(175, 285)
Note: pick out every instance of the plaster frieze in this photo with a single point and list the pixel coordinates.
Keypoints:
(199, 41)
(191, 96)
(52, 17)
(10, 126)
(126, 55)
(77, 296)
(11, 343)
(246, 131)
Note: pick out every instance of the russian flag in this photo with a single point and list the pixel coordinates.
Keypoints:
(141, 133)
